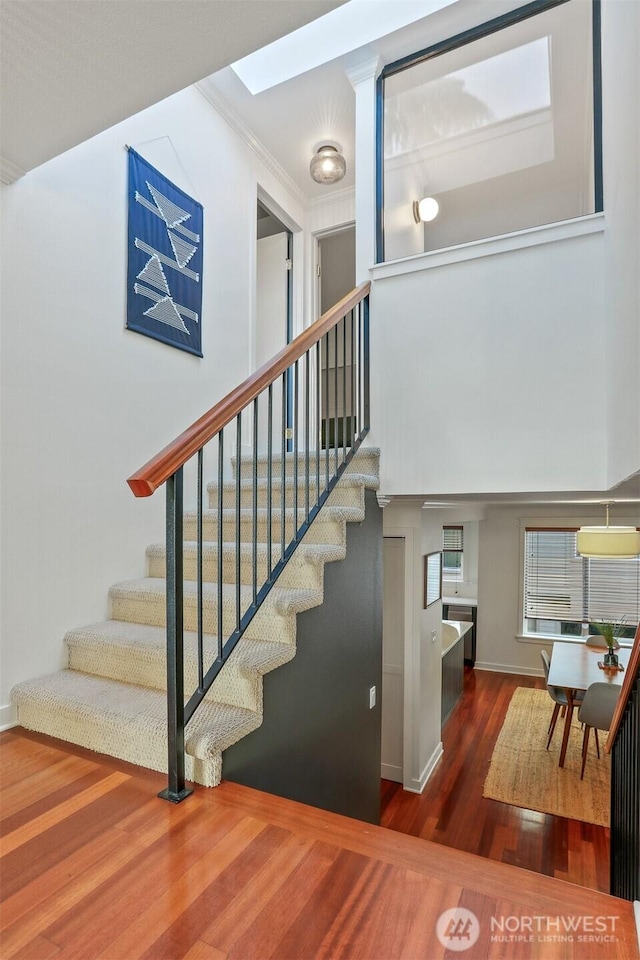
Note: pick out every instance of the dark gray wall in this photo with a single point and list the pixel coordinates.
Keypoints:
(319, 742)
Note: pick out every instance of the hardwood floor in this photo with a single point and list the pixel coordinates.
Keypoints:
(452, 810)
(93, 866)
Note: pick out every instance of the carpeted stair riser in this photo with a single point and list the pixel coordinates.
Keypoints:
(144, 602)
(113, 698)
(327, 528)
(105, 650)
(348, 493)
(299, 572)
(365, 461)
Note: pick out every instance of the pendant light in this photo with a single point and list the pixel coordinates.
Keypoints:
(608, 543)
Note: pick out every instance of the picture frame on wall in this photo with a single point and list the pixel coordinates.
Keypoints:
(432, 578)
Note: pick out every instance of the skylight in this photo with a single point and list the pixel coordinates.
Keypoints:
(347, 28)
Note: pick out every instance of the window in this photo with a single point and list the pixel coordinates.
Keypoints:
(452, 547)
(566, 594)
(500, 125)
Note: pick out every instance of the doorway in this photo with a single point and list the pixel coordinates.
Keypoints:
(274, 303)
(393, 640)
(274, 285)
(336, 274)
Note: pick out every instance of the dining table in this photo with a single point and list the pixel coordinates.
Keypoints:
(574, 667)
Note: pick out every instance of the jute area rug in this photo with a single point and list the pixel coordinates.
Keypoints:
(524, 774)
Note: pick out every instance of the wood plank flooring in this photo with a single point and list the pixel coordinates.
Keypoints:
(93, 866)
(452, 810)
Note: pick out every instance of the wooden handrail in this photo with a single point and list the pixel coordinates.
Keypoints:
(625, 693)
(157, 471)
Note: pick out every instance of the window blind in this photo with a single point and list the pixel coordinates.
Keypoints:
(613, 590)
(553, 586)
(452, 539)
(561, 585)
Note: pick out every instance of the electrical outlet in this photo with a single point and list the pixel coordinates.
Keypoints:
(372, 698)
(433, 636)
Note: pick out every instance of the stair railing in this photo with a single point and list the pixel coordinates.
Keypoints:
(623, 743)
(306, 415)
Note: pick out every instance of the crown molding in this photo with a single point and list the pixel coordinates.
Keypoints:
(10, 172)
(368, 70)
(226, 111)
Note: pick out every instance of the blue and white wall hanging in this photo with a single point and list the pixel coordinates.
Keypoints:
(164, 284)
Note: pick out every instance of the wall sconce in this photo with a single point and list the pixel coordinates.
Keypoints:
(425, 210)
(608, 543)
(327, 164)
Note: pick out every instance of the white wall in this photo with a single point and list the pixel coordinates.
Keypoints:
(620, 85)
(84, 401)
(478, 372)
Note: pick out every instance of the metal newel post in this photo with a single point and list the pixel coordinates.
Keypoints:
(176, 790)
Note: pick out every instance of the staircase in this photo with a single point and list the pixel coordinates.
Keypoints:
(112, 696)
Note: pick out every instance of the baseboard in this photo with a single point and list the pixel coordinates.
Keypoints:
(506, 668)
(8, 717)
(390, 772)
(417, 786)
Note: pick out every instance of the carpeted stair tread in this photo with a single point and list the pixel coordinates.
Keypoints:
(367, 480)
(316, 553)
(329, 513)
(369, 454)
(129, 721)
(124, 651)
(280, 600)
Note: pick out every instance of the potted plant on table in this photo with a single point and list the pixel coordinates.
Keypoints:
(611, 630)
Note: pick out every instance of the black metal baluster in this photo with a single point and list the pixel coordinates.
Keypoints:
(283, 466)
(335, 398)
(199, 538)
(269, 476)
(353, 380)
(255, 500)
(318, 420)
(176, 789)
(306, 435)
(360, 369)
(220, 535)
(295, 448)
(326, 408)
(238, 509)
(367, 386)
(344, 388)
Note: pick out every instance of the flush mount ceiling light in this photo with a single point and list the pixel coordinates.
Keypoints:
(327, 164)
(425, 210)
(608, 543)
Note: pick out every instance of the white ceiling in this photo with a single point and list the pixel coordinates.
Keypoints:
(290, 119)
(72, 68)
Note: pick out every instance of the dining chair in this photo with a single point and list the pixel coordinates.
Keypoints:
(596, 711)
(558, 696)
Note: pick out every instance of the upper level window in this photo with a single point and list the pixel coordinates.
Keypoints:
(496, 125)
(567, 595)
